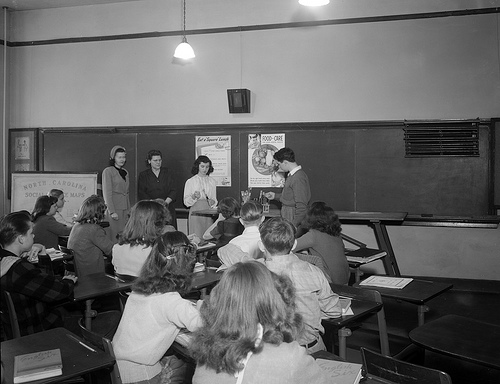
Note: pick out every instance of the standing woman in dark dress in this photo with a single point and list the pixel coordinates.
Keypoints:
(157, 182)
(115, 185)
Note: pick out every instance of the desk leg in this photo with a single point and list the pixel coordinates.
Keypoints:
(421, 309)
(343, 334)
(89, 314)
(390, 263)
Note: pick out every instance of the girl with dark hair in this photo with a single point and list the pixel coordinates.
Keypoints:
(249, 331)
(147, 221)
(115, 190)
(323, 239)
(59, 195)
(87, 239)
(200, 194)
(32, 290)
(155, 312)
(46, 229)
(227, 226)
(157, 182)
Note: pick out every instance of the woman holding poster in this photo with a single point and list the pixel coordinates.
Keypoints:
(200, 194)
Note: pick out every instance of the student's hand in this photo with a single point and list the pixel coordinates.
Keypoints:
(211, 202)
(114, 216)
(32, 254)
(196, 195)
(199, 303)
(70, 276)
(270, 195)
(168, 200)
(193, 238)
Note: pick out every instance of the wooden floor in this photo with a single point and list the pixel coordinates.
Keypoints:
(477, 299)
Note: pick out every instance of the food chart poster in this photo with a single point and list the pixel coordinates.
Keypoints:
(262, 170)
(218, 150)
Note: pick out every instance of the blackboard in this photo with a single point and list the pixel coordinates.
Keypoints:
(352, 167)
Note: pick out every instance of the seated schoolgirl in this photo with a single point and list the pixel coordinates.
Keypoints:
(249, 332)
(147, 221)
(227, 226)
(32, 290)
(323, 239)
(155, 312)
(59, 195)
(88, 240)
(46, 229)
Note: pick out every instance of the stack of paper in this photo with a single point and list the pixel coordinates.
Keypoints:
(54, 254)
(199, 267)
(386, 282)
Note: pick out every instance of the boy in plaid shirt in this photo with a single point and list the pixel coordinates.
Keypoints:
(32, 290)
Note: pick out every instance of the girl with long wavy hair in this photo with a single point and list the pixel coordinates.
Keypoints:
(249, 332)
(155, 312)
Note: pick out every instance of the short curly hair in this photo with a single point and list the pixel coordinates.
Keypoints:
(92, 210)
(198, 161)
(323, 218)
(247, 295)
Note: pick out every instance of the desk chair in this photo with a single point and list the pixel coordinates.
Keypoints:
(69, 265)
(11, 314)
(389, 369)
(367, 295)
(102, 342)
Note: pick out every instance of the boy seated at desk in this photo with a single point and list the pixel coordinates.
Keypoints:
(246, 244)
(32, 290)
(315, 299)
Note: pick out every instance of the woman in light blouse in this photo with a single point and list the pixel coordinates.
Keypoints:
(200, 194)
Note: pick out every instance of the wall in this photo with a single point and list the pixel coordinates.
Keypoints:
(410, 69)
(3, 129)
(443, 68)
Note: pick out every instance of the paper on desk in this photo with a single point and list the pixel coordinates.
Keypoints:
(54, 254)
(386, 282)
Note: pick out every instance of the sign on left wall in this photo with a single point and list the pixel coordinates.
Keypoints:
(28, 186)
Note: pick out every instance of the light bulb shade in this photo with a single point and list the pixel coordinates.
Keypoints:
(314, 3)
(184, 50)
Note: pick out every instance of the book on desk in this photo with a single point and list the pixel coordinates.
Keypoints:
(341, 372)
(364, 255)
(37, 366)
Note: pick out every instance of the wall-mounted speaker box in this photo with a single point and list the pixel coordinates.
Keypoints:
(238, 100)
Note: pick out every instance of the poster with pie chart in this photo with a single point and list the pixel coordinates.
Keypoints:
(262, 169)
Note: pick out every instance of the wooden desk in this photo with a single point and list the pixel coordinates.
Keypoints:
(417, 292)
(361, 309)
(202, 280)
(98, 284)
(378, 221)
(462, 338)
(77, 360)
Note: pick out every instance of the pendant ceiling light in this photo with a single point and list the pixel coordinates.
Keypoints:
(184, 50)
(314, 3)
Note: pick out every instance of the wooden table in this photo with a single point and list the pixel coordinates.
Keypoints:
(77, 360)
(215, 213)
(98, 284)
(462, 338)
(361, 309)
(202, 280)
(417, 292)
(378, 220)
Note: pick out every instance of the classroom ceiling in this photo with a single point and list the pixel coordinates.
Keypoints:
(24, 5)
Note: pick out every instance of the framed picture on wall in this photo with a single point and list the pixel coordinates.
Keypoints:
(23, 151)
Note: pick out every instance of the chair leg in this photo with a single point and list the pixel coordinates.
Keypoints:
(343, 334)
